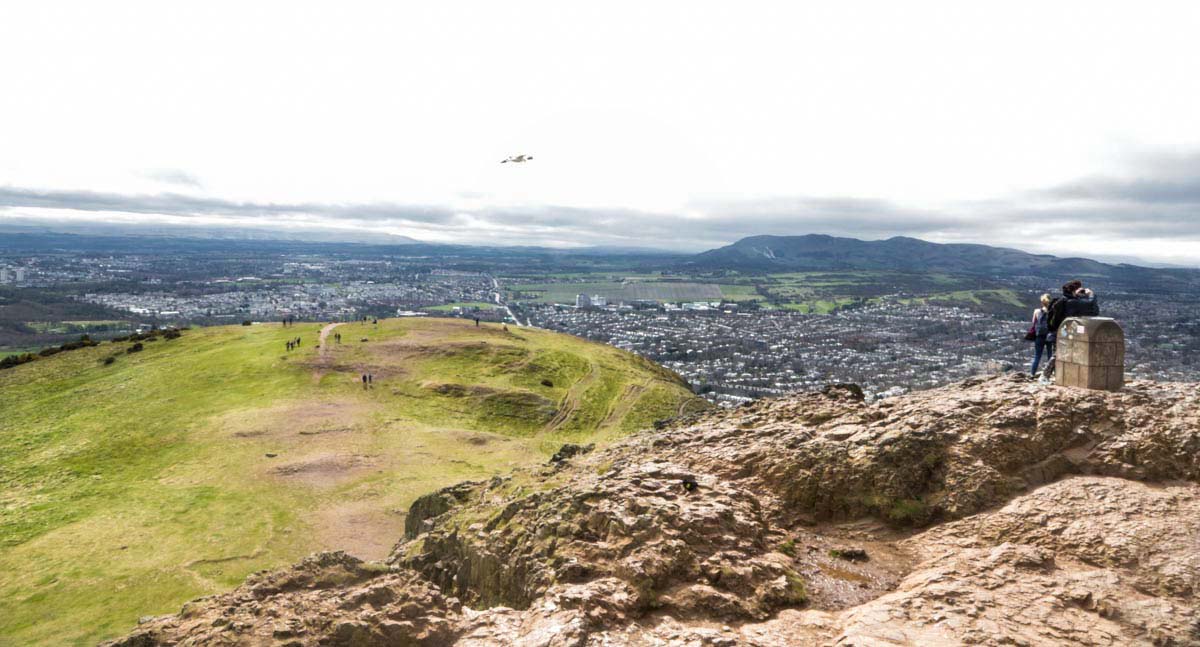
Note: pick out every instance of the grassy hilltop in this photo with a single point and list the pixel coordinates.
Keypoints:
(129, 488)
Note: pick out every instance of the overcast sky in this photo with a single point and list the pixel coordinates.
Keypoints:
(1051, 126)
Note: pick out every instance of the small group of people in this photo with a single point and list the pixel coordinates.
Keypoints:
(337, 337)
(293, 344)
(288, 321)
(1075, 301)
(368, 381)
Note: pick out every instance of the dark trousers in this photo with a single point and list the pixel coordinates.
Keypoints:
(1051, 346)
(1039, 347)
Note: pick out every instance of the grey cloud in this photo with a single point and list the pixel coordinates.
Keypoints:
(172, 176)
(1141, 191)
(180, 205)
(1162, 202)
(1154, 178)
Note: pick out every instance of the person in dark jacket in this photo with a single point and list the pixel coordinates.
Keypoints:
(1058, 307)
(1083, 304)
(1055, 314)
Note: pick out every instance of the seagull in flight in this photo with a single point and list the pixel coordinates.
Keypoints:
(517, 159)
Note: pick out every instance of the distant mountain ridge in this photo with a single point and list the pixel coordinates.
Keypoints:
(816, 252)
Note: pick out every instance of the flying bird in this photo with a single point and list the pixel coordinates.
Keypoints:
(517, 159)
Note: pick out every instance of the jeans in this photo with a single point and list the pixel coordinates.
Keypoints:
(1051, 349)
(1039, 346)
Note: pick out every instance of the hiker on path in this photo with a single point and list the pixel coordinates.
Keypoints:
(476, 322)
(370, 379)
(364, 381)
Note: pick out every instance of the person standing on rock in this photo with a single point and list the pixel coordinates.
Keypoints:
(1041, 330)
(1056, 313)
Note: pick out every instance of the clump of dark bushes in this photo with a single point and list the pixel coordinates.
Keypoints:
(24, 358)
(16, 360)
(83, 342)
(247, 323)
(152, 335)
(86, 341)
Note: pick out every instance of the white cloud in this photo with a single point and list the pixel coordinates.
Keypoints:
(657, 109)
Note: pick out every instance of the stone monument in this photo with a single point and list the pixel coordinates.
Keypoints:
(1090, 354)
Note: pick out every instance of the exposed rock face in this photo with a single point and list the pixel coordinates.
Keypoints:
(989, 512)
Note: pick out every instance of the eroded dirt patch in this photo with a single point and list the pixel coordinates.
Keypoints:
(365, 529)
(293, 419)
(326, 470)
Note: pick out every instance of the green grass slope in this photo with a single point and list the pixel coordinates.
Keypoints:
(127, 489)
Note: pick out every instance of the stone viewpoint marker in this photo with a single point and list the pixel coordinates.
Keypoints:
(1091, 354)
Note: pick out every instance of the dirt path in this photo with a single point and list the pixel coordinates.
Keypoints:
(624, 403)
(323, 352)
(325, 333)
(570, 403)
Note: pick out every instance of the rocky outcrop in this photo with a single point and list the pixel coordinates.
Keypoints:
(332, 595)
(993, 511)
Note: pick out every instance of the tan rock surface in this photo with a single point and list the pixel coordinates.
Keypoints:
(990, 512)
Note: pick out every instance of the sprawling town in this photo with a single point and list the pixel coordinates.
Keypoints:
(888, 349)
(729, 349)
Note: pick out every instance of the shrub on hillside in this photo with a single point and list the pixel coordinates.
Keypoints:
(110, 359)
(83, 342)
(171, 334)
(49, 350)
(16, 360)
(247, 323)
(136, 348)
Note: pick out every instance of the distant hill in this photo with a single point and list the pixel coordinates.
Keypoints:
(819, 252)
(130, 486)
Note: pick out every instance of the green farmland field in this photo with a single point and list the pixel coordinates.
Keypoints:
(629, 291)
